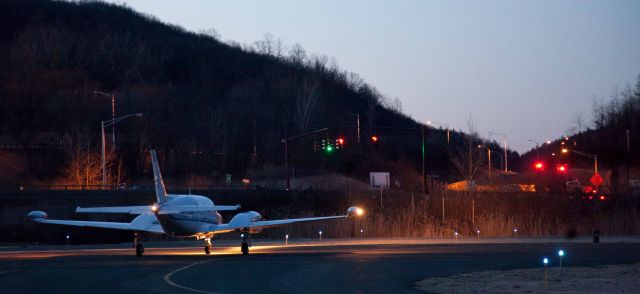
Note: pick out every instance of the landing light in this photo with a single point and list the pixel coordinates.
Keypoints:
(154, 208)
(359, 211)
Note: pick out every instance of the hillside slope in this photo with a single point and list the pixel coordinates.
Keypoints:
(209, 108)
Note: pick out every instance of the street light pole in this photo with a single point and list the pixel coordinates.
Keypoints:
(506, 162)
(113, 118)
(446, 125)
(113, 113)
(104, 124)
(104, 173)
(627, 167)
(587, 155)
(424, 170)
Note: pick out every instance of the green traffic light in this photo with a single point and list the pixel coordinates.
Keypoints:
(329, 148)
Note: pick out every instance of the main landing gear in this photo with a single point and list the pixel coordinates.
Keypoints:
(138, 245)
(244, 247)
(207, 246)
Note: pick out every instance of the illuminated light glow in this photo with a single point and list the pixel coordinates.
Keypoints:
(561, 253)
(319, 232)
(548, 142)
(374, 138)
(565, 150)
(154, 208)
(590, 197)
(515, 230)
(340, 140)
(455, 233)
(538, 166)
(562, 168)
(361, 231)
(602, 197)
(545, 261)
(359, 211)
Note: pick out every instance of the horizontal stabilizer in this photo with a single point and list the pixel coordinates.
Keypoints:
(190, 208)
(146, 209)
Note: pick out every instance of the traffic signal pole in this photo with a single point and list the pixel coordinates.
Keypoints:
(286, 150)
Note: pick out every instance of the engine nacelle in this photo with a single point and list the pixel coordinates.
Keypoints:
(245, 219)
(37, 214)
(354, 211)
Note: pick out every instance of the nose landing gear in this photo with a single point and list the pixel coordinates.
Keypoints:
(244, 247)
(207, 246)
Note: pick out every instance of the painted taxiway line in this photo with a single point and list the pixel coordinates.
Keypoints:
(167, 278)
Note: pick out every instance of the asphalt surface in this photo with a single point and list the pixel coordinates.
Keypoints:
(367, 266)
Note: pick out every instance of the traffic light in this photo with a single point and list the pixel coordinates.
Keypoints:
(539, 166)
(562, 168)
(329, 148)
(340, 143)
(374, 139)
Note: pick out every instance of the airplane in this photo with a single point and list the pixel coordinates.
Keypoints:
(183, 216)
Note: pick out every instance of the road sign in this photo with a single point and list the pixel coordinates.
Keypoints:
(596, 180)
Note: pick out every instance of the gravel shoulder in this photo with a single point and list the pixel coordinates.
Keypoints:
(597, 279)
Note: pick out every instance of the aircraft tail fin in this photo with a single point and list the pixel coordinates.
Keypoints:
(161, 193)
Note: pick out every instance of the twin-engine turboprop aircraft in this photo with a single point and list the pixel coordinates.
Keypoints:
(182, 216)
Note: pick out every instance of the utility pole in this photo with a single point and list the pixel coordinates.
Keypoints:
(628, 155)
(358, 126)
(424, 171)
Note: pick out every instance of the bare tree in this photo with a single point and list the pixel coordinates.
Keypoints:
(297, 54)
(85, 164)
(307, 100)
(211, 32)
(468, 160)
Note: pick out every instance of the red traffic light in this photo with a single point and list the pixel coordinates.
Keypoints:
(562, 168)
(340, 141)
(538, 166)
(374, 139)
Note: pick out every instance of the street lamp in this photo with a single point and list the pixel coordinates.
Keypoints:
(489, 151)
(113, 112)
(587, 155)
(506, 163)
(104, 124)
(445, 125)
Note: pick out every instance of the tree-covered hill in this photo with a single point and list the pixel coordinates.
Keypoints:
(210, 108)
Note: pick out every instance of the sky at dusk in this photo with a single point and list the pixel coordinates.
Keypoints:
(524, 68)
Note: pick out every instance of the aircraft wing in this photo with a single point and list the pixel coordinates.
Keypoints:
(143, 223)
(252, 219)
(282, 222)
(146, 209)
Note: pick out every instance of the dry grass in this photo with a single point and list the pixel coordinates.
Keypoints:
(494, 214)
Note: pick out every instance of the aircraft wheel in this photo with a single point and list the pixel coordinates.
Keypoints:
(245, 248)
(139, 250)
